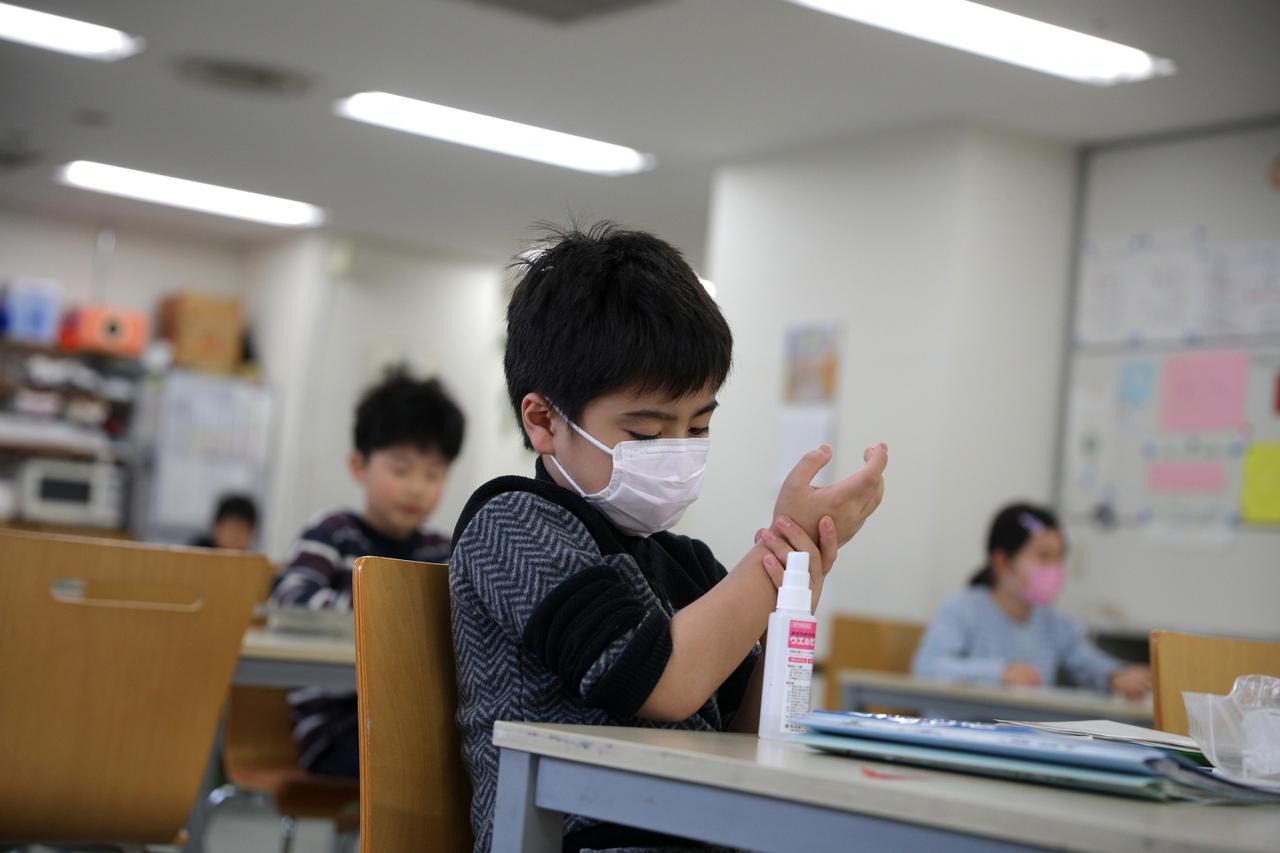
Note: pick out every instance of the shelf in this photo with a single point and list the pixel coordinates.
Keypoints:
(21, 348)
(65, 529)
(8, 389)
(56, 452)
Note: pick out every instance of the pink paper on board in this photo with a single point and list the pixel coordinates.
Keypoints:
(1186, 477)
(1204, 391)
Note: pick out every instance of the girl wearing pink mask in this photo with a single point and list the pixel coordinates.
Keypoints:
(1004, 628)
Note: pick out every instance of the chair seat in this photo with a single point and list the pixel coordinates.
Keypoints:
(297, 793)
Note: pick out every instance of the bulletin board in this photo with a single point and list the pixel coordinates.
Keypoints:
(1169, 470)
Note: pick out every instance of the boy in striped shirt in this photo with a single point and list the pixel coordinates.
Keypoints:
(407, 434)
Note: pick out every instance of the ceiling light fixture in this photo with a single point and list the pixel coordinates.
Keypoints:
(192, 195)
(66, 35)
(1005, 36)
(493, 134)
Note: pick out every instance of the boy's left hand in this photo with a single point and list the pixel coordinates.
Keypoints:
(849, 502)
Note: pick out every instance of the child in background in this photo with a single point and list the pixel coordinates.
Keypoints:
(571, 601)
(1004, 628)
(235, 522)
(407, 434)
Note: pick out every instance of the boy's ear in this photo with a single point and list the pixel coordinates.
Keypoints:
(540, 422)
(356, 464)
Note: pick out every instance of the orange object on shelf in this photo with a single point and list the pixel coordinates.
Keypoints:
(206, 331)
(105, 329)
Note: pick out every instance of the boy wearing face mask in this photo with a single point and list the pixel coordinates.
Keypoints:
(571, 601)
(1004, 629)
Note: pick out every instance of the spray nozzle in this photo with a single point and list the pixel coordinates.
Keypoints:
(794, 592)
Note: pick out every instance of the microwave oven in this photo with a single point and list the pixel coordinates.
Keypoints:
(62, 491)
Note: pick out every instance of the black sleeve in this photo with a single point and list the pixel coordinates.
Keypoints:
(541, 577)
(600, 638)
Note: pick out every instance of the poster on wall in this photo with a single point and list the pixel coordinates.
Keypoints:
(1176, 286)
(807, 417)
(1173, 410)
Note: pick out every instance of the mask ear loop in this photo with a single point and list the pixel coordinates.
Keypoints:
(565, 474)
(580, 431)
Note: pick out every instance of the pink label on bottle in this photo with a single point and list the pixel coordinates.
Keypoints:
(803, 635)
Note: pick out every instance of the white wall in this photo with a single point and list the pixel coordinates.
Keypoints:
(286, 286)
(142, 268)
(943, 252)
(332, 313)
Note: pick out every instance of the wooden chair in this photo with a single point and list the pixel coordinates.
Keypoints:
(414, 790)
(260, 758)
(864, 642)
(116, 659)
(1202, 665)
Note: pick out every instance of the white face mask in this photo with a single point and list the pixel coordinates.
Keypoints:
(653, 482)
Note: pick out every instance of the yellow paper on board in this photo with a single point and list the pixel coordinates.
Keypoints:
(1260, 493)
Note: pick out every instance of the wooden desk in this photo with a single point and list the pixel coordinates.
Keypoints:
(773, 797)
(270, 659)
(862, 687)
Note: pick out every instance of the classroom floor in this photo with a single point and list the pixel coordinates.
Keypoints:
(241, 826)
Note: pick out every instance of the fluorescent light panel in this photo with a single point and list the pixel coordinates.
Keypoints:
(192, 195)
(66, 35)
(493, 134)
(1004, 36)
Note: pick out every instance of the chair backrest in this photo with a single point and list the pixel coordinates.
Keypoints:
(116, 659)
(1202, 665)
(414, 790)
(257, 733)
(865, 642)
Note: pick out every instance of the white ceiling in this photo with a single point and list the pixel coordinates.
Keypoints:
(698, 83)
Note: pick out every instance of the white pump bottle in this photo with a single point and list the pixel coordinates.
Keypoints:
(788, 657)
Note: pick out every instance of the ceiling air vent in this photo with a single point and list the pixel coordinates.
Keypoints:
(234, 75)
(563, 11)
(15, 153)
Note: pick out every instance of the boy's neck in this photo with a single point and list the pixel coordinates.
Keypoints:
(381, 527)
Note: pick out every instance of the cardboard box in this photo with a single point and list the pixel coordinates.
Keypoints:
(206, 331)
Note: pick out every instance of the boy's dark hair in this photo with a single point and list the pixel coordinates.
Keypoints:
(404, 410)
(1010, 530)
(600, 310)
(237, 506)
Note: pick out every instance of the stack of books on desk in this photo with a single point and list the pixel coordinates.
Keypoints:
(1027, 754)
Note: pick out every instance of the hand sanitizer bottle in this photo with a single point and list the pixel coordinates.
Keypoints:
(788, 656)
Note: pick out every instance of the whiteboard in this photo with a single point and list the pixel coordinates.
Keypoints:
(1169, 461)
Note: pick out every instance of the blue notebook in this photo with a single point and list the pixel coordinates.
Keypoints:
(1023, 754)
(990, 739)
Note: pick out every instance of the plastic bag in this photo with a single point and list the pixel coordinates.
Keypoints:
(1240, 732)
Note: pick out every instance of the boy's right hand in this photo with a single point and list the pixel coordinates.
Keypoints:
(849, 502)
(786, 536)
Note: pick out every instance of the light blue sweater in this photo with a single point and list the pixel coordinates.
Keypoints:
(971, 639)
